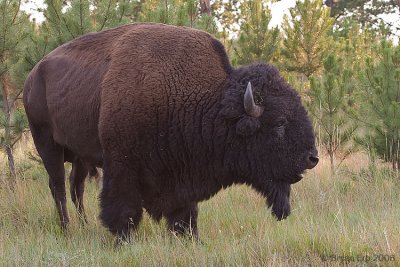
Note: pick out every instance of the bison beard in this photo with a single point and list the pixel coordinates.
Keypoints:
(277, 195)
(171, 122)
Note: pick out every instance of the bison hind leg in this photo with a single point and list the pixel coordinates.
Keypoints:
(77, 187)
(183, 220)
(52, 155)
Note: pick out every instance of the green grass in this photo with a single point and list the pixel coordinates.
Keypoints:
(353, 213)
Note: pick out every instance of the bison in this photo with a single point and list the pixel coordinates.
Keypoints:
(171, 122)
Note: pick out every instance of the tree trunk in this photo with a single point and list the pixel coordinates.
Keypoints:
(205, 7)
(10, 157)
(7, 127)
(331, 153)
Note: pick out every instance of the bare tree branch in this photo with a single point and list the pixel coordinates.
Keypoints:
(106, 16)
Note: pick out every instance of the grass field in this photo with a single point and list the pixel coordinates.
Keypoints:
(351, 218)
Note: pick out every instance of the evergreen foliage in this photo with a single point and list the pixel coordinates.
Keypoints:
(66, 20)
(306, 38)
(256, 40)
(367, 13)
(177, 12)
(227, 14)
(355, 46)
(329, 95)
(14, 28)
(380, 105)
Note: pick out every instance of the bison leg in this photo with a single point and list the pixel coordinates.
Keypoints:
(77, 187)
(52, 155)
(184, 220)
(120, 200)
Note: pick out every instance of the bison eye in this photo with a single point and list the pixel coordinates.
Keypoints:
(281, 122)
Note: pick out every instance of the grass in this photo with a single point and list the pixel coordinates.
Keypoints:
(335, 219)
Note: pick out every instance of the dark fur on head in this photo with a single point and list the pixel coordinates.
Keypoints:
(268, 152)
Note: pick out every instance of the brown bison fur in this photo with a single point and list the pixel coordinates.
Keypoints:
(62, 100)
(161, 108)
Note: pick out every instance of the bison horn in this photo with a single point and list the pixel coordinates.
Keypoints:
(251, 108)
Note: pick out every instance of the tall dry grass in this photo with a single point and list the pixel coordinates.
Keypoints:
(336, 220)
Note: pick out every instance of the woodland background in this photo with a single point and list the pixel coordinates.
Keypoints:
(341, 56)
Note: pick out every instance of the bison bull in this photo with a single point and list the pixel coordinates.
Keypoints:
(170, 120)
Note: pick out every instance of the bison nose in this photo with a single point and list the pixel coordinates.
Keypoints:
(312, 160)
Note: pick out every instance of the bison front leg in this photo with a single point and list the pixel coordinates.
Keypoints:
(120, 200)
(77, 187)
(184, 220)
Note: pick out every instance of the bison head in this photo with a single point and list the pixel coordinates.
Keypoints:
(271, 140)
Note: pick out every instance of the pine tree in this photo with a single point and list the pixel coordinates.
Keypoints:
(256, 41)
(379, 108)
(177, 12)
(328, 105)
(355, 46)
(65, 21)
(13, 31)
(367, 13)
(306, 38)
(40, 43)
(227, 14)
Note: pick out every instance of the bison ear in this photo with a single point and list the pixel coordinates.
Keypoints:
(247, 126)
